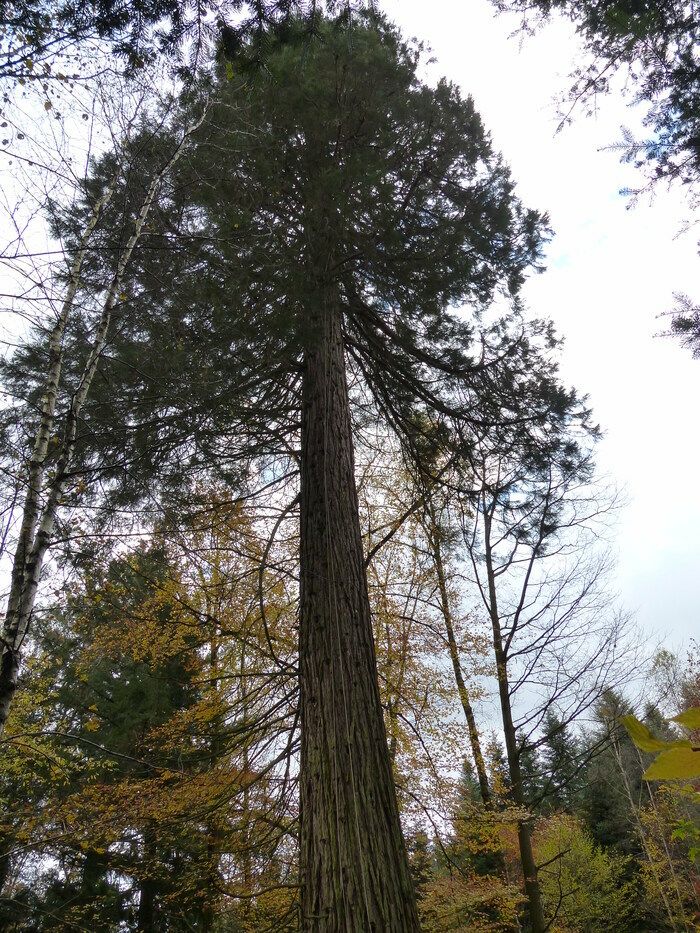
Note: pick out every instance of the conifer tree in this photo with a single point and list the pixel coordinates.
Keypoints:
(530, 773)
(36, 35)
(562, 758)
(308, 258)
(612, 777)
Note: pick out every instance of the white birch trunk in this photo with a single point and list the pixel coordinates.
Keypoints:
(38, 520)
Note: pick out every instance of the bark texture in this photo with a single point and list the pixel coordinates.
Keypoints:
(354, 868)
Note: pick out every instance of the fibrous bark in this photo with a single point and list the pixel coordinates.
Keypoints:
(354, 867)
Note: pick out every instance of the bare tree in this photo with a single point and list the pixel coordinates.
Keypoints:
(533, 540)
(438, 546)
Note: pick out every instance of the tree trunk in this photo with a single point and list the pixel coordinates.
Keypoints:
(147, 906)
(527, 859)
(474, 738)
(354, 867)
(5, 863)
(146, 916)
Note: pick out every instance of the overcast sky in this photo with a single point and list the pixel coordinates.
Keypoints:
(611, 270)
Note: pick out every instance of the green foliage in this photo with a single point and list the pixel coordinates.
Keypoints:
(690, 719)
(138, 774)
(151, 769)
(584, 886)
(641, 736)
(688, 831)
(674, 764)
(423, 217)
(614, 773)
(39, 33)
(655, 44)
(563, 760)
(532, 774)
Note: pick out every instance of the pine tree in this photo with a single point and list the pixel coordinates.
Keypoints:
(37, 34)
(421, 860)
(151, 794)
(612, 778)
(531, 773)
(655, 45)
(563, 765)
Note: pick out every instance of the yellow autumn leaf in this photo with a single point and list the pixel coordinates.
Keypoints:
(642, 737)
(690, 718)
(674, 764)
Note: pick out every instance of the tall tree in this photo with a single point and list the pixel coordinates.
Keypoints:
(36, 37)
(563, 761)
(613, 778)
(357, 207)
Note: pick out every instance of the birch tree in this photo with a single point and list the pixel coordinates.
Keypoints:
(49, 469)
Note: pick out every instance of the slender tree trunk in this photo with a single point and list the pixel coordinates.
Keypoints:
(474, 738)
(247, 840)
(94, 871)
(527, 859)
(147, 910)
(13, 633)
(213, 825)
(659, 821)
(42, 499)
(147, 906)
(641, 832)
(354, 867)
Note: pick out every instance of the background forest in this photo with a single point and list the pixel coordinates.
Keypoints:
(310, 609)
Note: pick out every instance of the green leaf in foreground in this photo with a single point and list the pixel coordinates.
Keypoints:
(674, 764)
(690, 718)
(642, 737)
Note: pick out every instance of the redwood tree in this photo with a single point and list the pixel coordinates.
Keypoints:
(317, 256)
